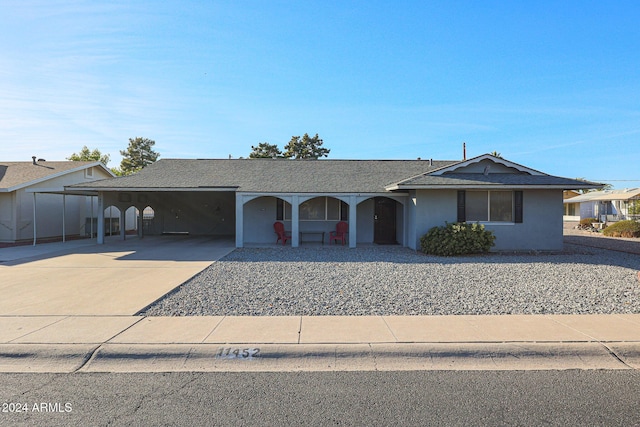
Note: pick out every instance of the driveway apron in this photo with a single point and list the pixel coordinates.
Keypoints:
(117, 278)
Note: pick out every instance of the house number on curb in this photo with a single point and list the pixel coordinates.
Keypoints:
(237, 353)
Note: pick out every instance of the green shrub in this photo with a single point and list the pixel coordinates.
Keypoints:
(628, 228)
(457, 239)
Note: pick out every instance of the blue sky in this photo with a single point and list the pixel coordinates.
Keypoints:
(554, 85)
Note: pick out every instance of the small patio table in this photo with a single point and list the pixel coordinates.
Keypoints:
(320, 233)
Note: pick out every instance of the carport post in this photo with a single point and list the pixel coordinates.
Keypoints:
(64, 214)
(123, 224)
(295, 221)
(239, 220)
(353, 211)
(140, 222)
(34, 219)
(91, 227)
(100, 235)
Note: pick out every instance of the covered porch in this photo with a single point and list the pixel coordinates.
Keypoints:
(372, 218)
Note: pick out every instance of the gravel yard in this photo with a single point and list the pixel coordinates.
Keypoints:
(391, 280)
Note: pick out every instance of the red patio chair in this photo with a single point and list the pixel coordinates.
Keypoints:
(282, 235)
(340, 234)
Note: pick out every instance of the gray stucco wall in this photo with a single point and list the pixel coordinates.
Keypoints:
(365, 221)
(541, 228)
(259, 216)
(432, 208)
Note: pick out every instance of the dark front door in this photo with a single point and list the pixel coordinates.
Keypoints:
(384, 221)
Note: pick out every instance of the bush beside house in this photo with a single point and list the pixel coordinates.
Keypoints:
(627, 228)
(457, 239)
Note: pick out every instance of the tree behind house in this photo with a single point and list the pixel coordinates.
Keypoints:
(305, 148)
(86, 155)
(264, 150)
(138, 154)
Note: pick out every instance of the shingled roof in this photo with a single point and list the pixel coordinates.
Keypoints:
(16, 175)
(323, 176)
(269, 175)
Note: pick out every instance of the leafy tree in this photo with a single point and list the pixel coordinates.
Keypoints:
(496, 154)
(305, 148)
(264, 150)
(138, 154)
(86, 155)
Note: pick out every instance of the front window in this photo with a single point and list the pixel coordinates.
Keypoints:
(316, 209)
(489, 206)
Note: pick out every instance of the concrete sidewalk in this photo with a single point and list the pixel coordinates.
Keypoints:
(321, 343)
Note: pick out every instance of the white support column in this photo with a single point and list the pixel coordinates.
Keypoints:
(140, 223)
(353, 226)
(91, 216)
(64, 215)
(239, 221)
(123, 224)
(295, 221)
(34, 220)
(100, 233)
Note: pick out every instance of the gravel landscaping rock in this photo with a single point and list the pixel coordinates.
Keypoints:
(285, 281)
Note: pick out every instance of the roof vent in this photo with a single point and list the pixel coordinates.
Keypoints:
(34, 160)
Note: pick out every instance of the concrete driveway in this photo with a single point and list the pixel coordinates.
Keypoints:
(117, 278)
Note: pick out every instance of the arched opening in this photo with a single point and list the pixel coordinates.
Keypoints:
(319, 216)
(131, 216)
(111, 221)
(148, 223)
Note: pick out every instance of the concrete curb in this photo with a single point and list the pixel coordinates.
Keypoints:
(317, 357)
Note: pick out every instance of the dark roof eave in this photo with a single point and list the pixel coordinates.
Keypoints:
(489, 186)
(150, 189)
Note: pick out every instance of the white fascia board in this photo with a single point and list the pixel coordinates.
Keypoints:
(45, 190)
(478, 159)
(485, 187)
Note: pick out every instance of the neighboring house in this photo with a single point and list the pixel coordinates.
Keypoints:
(24, 183)
(607, 205)
(571, 208)
(383, 201)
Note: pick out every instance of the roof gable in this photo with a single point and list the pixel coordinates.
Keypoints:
(488, 171)
(480, 163)
(17, 175)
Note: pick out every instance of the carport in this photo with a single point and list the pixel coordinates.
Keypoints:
(202, 212)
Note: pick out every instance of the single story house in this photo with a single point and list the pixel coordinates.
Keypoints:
(383, 201)
(606, 205)
(571, 210)
(27, 199)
